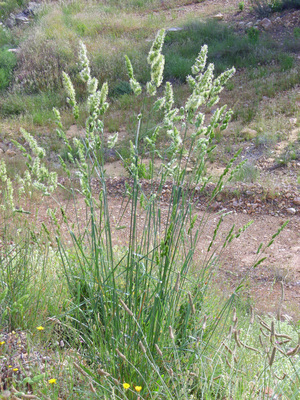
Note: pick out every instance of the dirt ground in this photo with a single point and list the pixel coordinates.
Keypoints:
(263, 284)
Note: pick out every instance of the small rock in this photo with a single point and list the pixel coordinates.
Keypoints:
(17, 50)
(296, 201)
(218, 17)
(266, 24)
(175, 29)
(21, 19)
(249, 25)
(277, 20)
(1, 151)
(291, 211)
(293, 121)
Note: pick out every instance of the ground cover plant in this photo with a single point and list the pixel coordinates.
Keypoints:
(141, 317)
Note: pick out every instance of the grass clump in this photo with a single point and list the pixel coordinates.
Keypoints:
(8, 62)
(8, 59)
(226, 48)
(247, 173)
(142, 311)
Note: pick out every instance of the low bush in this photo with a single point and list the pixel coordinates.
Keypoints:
(8, 62)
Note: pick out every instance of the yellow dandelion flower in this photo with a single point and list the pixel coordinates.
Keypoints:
(10, 366)
(15, 369)
(1, 343)
(126, 385)
(52, 381)
(138, 388)
(40, 328)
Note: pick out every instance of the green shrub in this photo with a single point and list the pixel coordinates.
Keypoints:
(297, 32)
(120, 88)
(6, 37)
(286, 62)
(8, 62)
(253, 34)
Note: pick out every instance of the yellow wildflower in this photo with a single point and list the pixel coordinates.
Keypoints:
(126, 385)
(138, 388)
(15, 369)
(52, 381)
(40, 328)
(1, 343)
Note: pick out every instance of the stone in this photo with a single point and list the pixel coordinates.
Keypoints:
(291, 211)
(175, 29)
(293, 121)
(21, 19)
(249, 25)
(17, 50)
(296, 201)
(266, 24)
(218, 17)
(1, 151)
(249, 133)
